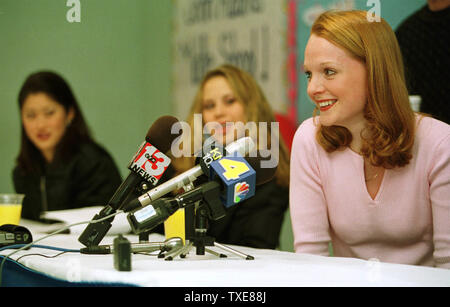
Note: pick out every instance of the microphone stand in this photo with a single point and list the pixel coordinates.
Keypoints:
(169, 245)
(95, 232)
(201, 240)
(206, 198)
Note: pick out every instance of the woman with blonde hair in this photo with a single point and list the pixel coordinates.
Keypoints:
(367, 174)
(228, 95)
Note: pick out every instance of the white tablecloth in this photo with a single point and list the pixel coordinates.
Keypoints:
(271, 268)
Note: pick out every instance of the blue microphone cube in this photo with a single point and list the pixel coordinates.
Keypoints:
(238, 177)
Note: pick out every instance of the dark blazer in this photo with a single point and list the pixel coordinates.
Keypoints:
(257, 221)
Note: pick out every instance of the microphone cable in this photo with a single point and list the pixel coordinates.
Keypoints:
(33, 244)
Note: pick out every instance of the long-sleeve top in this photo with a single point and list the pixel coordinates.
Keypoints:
(89, 178)
(407, 222)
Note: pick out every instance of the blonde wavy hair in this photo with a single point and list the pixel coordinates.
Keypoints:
(390, 130)
(257, 110)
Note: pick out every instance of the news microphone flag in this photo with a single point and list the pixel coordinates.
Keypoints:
(140, 169)
(242, 146)
(238, 178)
(239, 181)
(149, 163)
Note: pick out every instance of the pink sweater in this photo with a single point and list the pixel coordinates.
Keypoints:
(408, 221)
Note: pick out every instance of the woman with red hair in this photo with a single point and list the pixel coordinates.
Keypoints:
(367, 174)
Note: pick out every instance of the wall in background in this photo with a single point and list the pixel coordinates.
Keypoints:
(116, 59)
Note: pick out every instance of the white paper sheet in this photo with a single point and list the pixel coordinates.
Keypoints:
(72, 216)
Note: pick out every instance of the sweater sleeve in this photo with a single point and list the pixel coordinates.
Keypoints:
(439, 180)
(307, 202)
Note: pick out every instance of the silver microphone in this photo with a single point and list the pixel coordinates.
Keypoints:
(167, 245)
(243, 146)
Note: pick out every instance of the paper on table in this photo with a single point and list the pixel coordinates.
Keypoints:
(71, 216)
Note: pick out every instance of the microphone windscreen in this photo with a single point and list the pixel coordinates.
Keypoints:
(159, 134)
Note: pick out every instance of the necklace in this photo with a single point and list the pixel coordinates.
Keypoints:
(372, 178)
(373, 169)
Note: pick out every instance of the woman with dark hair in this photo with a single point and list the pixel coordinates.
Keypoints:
(59, 165)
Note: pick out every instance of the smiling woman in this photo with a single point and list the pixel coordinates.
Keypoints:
(228, 95)
(221, 105)
(59, 166)
(367, 174)
(331, 71)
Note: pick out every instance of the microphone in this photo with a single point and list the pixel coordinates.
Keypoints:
(181, 223)
(238, 179)
(167, 245)
(241, 146)
(150, 216)
(147, 166)
(212, 193)
(148, 163)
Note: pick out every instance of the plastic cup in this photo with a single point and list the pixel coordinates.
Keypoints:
(415, 101)
(10, 208)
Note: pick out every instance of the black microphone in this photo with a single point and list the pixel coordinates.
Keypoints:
(150, 216)
(241, 146)
(147, 166)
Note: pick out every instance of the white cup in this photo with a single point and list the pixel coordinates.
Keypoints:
(414, 101)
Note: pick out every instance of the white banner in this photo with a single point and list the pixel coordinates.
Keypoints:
(250, 34)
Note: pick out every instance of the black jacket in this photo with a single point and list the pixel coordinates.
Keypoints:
(89, 178)
(423, 38)
(256, 222)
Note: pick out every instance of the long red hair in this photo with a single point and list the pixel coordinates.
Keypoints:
(388, 137)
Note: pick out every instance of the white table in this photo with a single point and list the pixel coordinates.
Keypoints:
(270, 268)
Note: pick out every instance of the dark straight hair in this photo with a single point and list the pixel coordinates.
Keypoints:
(30, 158)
